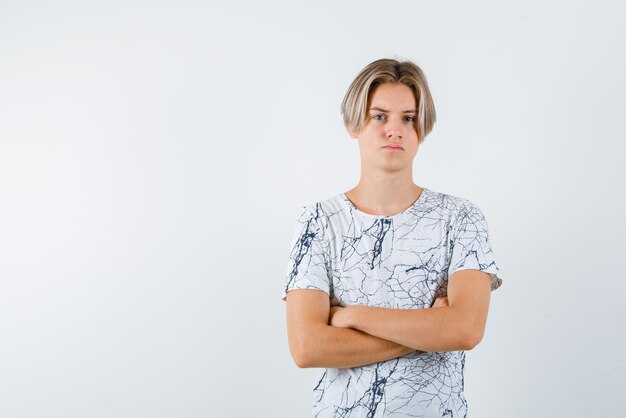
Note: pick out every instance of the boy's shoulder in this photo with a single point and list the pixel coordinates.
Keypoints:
(454, 202)
(325, 206)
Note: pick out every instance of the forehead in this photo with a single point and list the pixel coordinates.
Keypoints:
(392, 96)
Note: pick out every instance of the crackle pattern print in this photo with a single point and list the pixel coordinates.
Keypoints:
(402, 262)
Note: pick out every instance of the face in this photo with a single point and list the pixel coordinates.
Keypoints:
(391, 114)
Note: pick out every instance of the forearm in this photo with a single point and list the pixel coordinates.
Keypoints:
(434, 329)
(335, 347)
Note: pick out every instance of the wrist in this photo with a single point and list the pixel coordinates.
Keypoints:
(352, 316)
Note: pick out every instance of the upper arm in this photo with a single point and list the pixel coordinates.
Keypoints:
(473, 272)
(468, 293)
(308, 266)
(471, 245)
(307, 312)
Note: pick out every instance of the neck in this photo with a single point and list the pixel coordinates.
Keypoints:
(384, 194)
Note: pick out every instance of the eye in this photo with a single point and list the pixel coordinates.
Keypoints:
(376, 116)
(410, 119)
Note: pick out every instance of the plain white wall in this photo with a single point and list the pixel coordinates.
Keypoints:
(154, 155)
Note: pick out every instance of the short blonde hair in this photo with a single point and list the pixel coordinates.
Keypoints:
(386, 70)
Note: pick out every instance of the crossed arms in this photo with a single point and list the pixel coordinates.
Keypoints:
(324, 336)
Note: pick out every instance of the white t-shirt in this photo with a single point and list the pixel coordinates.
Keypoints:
(402, 262)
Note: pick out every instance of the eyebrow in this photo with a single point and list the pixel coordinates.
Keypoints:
(386, 111)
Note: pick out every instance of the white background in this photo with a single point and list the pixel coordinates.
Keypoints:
(154, 157)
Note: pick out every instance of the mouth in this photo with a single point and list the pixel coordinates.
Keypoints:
(394, 147)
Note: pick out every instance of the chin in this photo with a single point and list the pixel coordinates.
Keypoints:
(393, 167)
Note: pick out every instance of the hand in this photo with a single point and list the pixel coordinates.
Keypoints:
(440, 302)
(338, 317)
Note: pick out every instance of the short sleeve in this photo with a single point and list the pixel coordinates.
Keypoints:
(308, 266)
(471, 248)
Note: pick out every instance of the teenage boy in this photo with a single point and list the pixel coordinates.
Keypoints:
(388, 283)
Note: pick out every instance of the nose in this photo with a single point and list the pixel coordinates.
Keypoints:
(394, 129)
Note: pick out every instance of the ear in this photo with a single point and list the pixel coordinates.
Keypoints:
(353, 135)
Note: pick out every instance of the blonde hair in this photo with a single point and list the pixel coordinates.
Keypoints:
(386, 70)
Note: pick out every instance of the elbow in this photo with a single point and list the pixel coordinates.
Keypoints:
(307, 346)
(470, 342)
(301, 360)
(471, 336)
(302, 356)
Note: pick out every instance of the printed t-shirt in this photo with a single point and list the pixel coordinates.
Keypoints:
(401, 262)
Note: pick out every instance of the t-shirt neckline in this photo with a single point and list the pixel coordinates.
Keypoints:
(419, 199)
